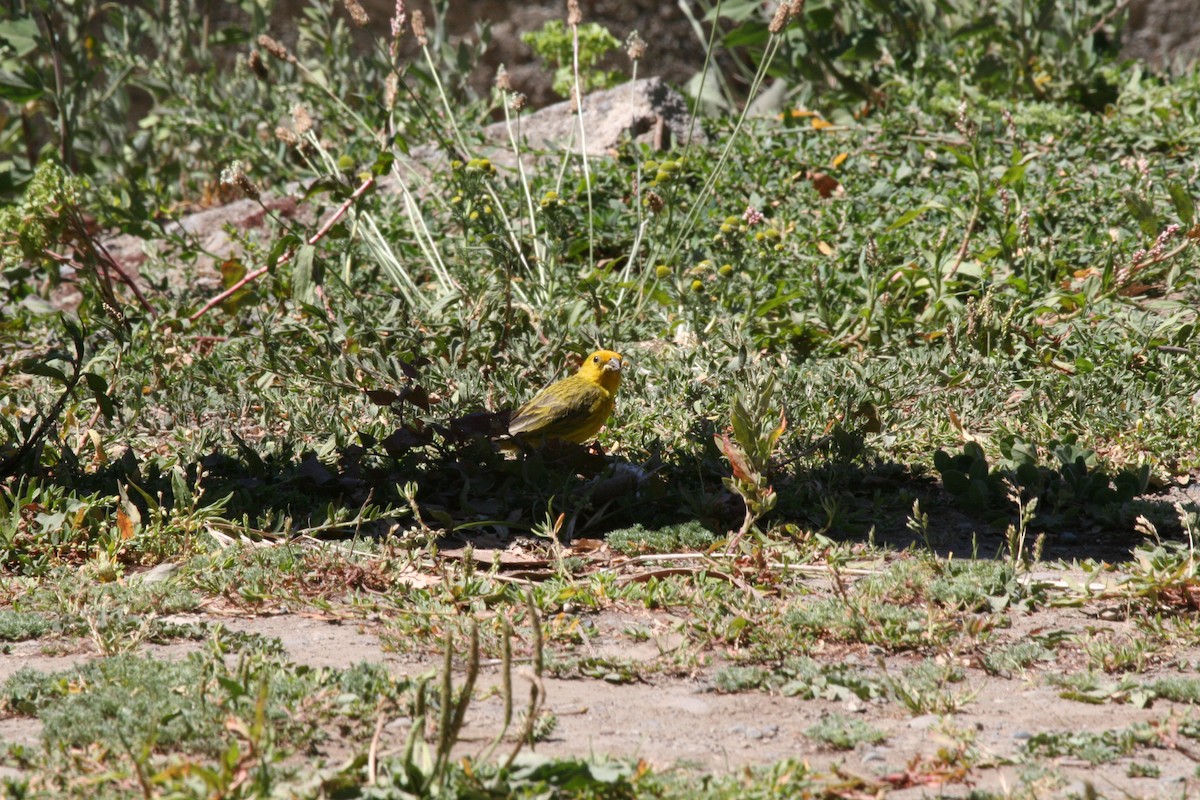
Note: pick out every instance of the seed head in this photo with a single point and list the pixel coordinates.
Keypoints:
(399, 18)
(286, 135)
(391, 87)
(301, 119)
(1168, 233)
(752, 215)
(574, 15)
(964, 125)
(635, 47)
(785, 13)
(654, 202)
(502, 81)
(1125, 273)
(780, 19)
(419, 27)
(517, 102)
(235, 175)
(275, 48)
(256, 64)
(1009, 124)
(357, 13)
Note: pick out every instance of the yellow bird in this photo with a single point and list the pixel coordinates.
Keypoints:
(575, 408)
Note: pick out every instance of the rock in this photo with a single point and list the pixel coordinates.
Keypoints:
(647, 111)
(209, 229)
(1163, 33)
(156, 574)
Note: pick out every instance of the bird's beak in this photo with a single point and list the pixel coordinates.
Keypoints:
(613, 365)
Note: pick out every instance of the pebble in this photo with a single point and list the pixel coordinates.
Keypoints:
(1022, 735)
(755, 734)
(873, 755)
(157, 574)
(855, 706)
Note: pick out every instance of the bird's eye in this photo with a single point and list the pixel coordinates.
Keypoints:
(596, 359)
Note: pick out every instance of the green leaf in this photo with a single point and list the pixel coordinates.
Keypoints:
(737, 11)
(99, 388)
(912, 214)
(956, 482)
(383, 164)
(19, 36)
(45, 370)
(1185, 206)
(37, 305)
(17, 88)
(1015, 174)
(328, 183)
(1143, 214)
(963, 157)
(305, 277)
(749, 34)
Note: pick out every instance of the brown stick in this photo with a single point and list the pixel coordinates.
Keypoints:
(283, 259)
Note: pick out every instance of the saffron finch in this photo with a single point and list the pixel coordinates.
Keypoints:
(575, 408)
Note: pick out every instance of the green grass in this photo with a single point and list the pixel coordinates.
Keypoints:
(1095, 748)
(17, 626)
(845, 733)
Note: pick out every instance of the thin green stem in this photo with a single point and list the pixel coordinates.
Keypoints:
(539, 247)
(689, 221)
(587, 174)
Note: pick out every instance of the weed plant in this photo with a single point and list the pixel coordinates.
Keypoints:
(1000, 245)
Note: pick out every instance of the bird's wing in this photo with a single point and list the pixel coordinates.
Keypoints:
(557, 408)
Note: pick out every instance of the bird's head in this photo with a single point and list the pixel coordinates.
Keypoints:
(603, 367)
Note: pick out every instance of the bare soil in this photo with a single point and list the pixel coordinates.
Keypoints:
(676, 719)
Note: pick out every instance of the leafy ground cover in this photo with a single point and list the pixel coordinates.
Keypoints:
(912, 418)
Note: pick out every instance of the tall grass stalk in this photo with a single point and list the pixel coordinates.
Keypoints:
(539, 247)
(573, 20)
(709, 44)
(642, 222)
(461, 144)
(690, 220)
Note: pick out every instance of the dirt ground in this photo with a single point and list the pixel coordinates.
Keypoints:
(681, 721)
